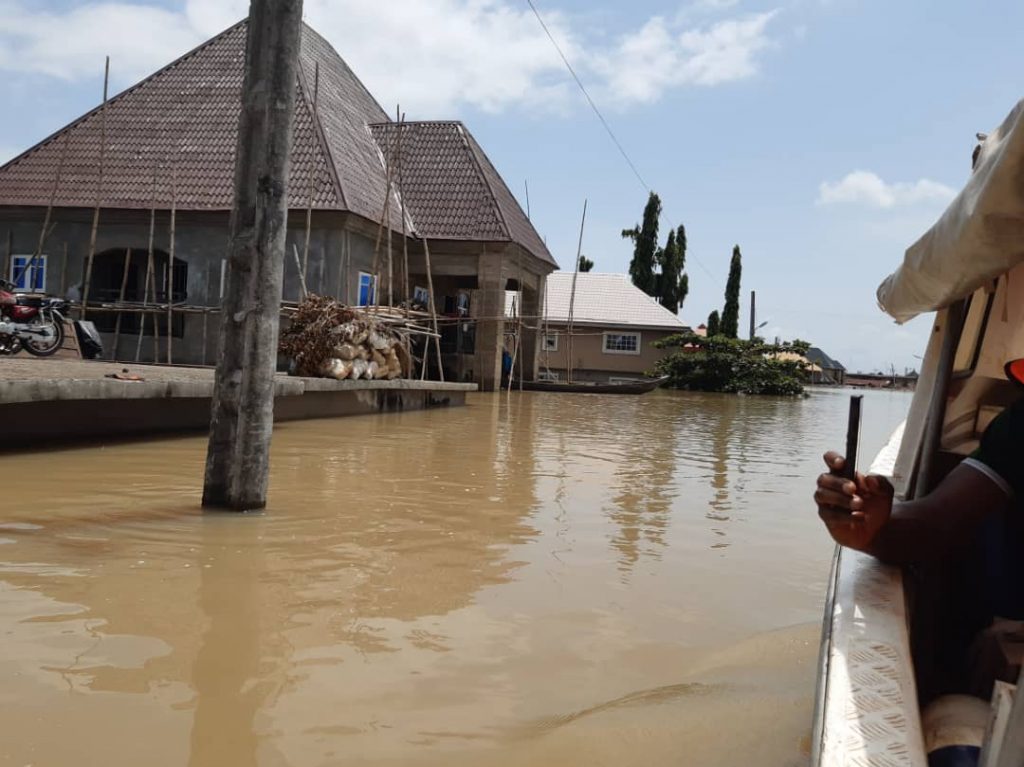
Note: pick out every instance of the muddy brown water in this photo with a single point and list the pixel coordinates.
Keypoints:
(543, 579)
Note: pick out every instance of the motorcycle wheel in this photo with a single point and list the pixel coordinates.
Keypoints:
(47, 349)
(9, 346)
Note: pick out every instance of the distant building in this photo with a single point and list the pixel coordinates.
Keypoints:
(828, 371)
(614, 326)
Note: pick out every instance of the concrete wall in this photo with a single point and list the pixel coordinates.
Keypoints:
(592, 363)
(340, 247)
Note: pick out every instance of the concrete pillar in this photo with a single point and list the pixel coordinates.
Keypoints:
(490, 328)
(533, 312)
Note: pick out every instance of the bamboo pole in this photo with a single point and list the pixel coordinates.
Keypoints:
(385, 220)
(401, 195)
(342, 267)
(433, 314)
(64, 272)
(45, 231)
(298, 265)
(120, 300)
(572, 296)
(519, 324)
(10, 255)
(391, 287)
(169, 284)
(312, 174)
(206, 312)
(149, 278)
(99, 191)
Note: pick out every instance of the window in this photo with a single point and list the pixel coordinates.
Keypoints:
(28, 276)
(621, 343)
(367, 289)
(551, 342)
(420, 297)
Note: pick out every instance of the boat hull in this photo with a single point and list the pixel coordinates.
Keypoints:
(638, 387)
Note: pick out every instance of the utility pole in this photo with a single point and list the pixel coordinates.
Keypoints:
(753, 314)
(242, 420)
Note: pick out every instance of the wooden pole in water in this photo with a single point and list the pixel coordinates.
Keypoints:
(120, 300)
(99, 190)
(753, 314)
(238, 456)
(572, 297)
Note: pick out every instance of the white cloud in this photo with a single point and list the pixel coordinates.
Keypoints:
(72, 45)
(663, 55)
(432, 57)
(863, 187)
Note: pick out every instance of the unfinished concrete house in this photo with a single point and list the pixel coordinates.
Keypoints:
(168, 144)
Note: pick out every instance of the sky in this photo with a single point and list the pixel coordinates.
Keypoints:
(821, 136)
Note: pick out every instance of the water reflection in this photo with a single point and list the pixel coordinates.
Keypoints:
(426, 588)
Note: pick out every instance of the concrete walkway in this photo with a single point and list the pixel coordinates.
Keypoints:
(29, 379)
(46, 400)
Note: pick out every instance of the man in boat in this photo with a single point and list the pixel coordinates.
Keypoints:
(863, 515)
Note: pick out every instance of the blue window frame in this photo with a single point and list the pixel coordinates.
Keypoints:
(29, 280)
(367, 289)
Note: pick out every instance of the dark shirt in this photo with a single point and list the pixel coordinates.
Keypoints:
(1001, 458)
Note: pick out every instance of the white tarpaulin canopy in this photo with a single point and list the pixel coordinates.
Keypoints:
(978, 238)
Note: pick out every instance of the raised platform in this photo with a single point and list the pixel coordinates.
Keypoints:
(49, 400)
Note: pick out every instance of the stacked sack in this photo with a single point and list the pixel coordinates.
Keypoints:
(326, 339)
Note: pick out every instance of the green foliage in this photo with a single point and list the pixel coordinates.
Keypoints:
(585, 264)
(673, 283)
(731, 312)
(645, 247)
(714, 324)
(723, 364)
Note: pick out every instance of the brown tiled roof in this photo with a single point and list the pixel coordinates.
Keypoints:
(451, 189)
(182, 123)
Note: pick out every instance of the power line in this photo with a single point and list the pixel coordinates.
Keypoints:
(590, 101)
(604, 122)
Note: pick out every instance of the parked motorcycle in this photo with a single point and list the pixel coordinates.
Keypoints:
(32, 323)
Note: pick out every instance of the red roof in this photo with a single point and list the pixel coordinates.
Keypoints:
(451, 189)
(181, 126)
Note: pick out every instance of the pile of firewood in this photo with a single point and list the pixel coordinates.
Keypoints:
(326, 339)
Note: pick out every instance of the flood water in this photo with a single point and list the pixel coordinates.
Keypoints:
(535, 579)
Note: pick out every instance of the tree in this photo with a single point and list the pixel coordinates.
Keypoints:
(672, 281)
(731, 312)
(734, 366)
(714, 324)
(645, 247)
(585, 264)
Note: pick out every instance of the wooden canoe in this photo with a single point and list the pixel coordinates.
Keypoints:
(583, 387)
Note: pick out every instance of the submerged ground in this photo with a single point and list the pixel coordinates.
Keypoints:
(535, 579)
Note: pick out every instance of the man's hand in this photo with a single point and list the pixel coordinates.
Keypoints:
(853, 512)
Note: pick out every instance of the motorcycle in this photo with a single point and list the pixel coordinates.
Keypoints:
(32, 323)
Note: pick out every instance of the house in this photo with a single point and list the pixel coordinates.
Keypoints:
(170, 144)
(828, 370)
(614, 326)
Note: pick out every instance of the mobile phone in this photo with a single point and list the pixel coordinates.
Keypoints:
(852, 437)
